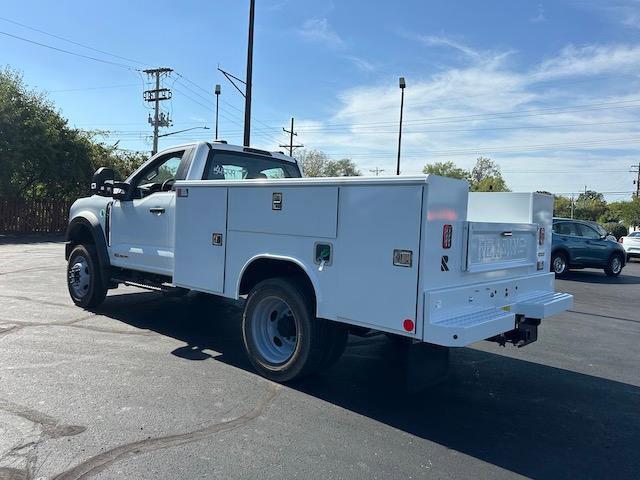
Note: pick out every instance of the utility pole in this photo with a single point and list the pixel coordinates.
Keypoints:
(377, 171)
(637, 180)
(156, 96)
(247, 96)
(291, 133)
(572, 206)
(217, 92)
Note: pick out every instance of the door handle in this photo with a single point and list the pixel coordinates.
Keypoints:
(157, 210)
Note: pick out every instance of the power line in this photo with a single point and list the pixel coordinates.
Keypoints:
(487, 116)
(71, 41)
(87, 57)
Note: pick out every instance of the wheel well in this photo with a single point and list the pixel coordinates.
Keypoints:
(563, 252)
(81, 234)
(264, 268)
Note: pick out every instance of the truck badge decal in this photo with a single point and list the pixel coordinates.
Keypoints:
(444, 267)
(276, 201)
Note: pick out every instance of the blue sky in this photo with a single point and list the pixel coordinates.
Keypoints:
(549, 90)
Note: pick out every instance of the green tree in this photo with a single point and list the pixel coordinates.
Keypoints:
(561, 207)
(316, 163)
(40, 155)
(590, 205)
(446, 169)
(627, 212)
(487, 177)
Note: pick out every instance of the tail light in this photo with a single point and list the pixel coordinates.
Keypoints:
(447, 234)
(541, 235)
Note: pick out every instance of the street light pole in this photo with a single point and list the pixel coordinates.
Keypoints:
(247, 101)
(185, 130)
(217, 92)
(402, 87)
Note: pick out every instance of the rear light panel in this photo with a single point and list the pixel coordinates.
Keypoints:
(541, 235)
(447, 235)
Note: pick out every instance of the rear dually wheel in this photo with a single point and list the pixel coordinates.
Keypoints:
(282, 337)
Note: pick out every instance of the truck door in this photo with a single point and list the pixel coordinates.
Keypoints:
(596, 251)
(141, 227)
(567, 235)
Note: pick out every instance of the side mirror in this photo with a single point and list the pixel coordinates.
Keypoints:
(120, 190)
(102, 182)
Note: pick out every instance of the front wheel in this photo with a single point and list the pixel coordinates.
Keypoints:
(614, 267)
(282, 337)
(86, 288)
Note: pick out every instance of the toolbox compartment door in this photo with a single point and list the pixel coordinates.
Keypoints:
(200, 239)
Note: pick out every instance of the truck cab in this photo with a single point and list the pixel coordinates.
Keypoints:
(137, 216)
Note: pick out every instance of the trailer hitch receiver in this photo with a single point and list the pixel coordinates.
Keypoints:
(526, 332)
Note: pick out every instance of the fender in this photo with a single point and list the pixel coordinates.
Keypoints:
(91, 224)
(282, 258)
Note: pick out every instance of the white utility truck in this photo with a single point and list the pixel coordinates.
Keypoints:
(418, 257)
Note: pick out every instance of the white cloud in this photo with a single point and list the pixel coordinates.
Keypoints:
(590, 60)
(624, 12)
(439, 40)
(455, 115)
(319, 30)
(360, 63)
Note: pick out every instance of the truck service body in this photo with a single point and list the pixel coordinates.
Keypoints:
(418, 257)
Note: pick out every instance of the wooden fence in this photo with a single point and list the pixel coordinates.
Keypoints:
(33, 216)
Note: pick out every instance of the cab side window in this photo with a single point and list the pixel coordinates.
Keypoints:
(565, 228)
(159, 176)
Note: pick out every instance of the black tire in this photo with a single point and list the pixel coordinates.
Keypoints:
(91, 291)
(559, 264)
(310, 336)
(614, 265)
(336, 343)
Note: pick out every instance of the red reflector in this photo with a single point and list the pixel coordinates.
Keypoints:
(447, 233)
(541, 236)
(408, 325)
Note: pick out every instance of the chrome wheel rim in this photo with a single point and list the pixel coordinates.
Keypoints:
(274, 330)
(80, 277)
(616, 265)
(559, 265)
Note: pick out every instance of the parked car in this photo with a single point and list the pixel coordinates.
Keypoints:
(631, 244)
(581, 244)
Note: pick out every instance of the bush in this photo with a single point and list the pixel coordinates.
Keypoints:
(616, 229)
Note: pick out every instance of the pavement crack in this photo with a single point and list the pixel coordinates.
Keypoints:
(50, 426)
(103, 460)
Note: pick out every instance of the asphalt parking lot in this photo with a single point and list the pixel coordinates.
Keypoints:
(152, 386)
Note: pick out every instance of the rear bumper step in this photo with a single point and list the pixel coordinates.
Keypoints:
(542, 305)
(460, 316)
